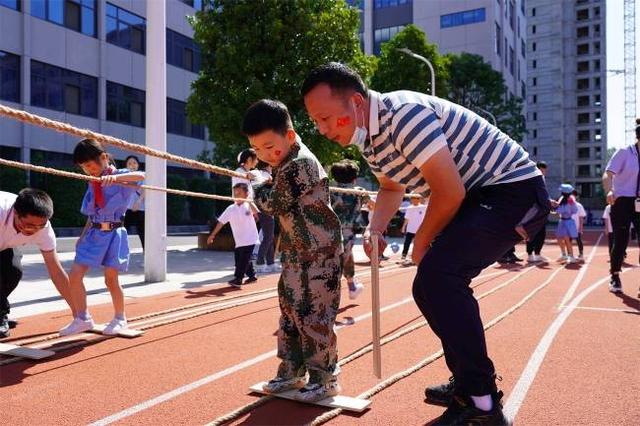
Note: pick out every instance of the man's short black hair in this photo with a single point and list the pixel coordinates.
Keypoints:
(337, 76)
(33, 202)
(87, 150)
(242, 186)
(265, 115)
(541, 164)
(345, 171)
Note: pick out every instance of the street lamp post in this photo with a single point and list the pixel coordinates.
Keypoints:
(493, 117)
(407, 51)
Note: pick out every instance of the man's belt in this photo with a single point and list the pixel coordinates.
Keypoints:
(106, 226)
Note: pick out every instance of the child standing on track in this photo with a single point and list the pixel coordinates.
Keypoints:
(103, 242)
(566, 226)
(311, 245)
(242, 217)
(413, 216)
(347, 207)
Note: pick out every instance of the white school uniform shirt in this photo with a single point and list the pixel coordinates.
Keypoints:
(414, 216)
(235, 180)
(581, 213)
(243, 225)
(45, 238)
(607, 215)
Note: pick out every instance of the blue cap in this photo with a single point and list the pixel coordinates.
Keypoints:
(565, 188)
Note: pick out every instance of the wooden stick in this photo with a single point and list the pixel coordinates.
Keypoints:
(375, 306)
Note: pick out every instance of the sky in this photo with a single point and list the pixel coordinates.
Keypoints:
(615, 61)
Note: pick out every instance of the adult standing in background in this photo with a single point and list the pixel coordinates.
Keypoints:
(265, 259)
(621, 182)
(135, 213)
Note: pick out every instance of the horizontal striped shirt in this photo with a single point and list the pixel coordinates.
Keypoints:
(407, 128)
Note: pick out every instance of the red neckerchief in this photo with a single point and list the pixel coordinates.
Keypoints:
(98, 194)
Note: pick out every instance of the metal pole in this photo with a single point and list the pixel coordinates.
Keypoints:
(155, 253)
(493, 117)
(375, 307)
(409, 52)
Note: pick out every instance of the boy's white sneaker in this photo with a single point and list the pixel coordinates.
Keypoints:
(359, 288)
(76, 326)
(281, 384)
(532, 258)
(115, 326)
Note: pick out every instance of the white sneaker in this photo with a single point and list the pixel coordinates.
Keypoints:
(359, 288)
(262, 269)
(571, 260)
(313, 392)
(532, 258)
(77, 326)
(115, 326)
(542, 259)
(562, 259)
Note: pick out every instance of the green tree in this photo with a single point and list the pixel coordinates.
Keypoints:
(397, 70)
(477, 86)
(264, 49)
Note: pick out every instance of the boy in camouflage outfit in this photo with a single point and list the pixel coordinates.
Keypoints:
(347, 207)
(311, 246)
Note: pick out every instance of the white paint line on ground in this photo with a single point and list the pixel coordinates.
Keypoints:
(576, 282)
(519, 392)
(590, 308)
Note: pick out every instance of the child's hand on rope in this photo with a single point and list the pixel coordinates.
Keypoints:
(108, 180)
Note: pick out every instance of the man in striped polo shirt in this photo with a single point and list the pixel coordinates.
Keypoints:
(482, 184)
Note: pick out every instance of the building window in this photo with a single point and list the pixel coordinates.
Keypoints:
(196, 4)
(63, 90)
(11, 4)
(463, 18)
(535, 151)
(77, 15)
(534, 133)
(584, 135)
(582, 101)
(598, 153)
(523, 90)
(534, 45)
(582, 66)
(596, 65)
(498, 40)
(597, 117)
(583, 118)
(534, 64)
(583, 153)
(596, 83)
(522, 6)
(512, 60)
(512, 15)
(182, 51)
(533, 29)
(533, 11)
(535, 116)
(381, 4)
(582, 14)
(382, 35)
(125, 104)
(534, 81)
(596, 30)
(125, 29)
(178, 123)
(596, 47)
(584, 170)
(9, 77)
(582, 32)
(582, 49)
(596, 12)
(534, 99)
(596, 100)
(598, 135)
(523, 47)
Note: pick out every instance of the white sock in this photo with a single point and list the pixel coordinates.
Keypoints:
(484, 402)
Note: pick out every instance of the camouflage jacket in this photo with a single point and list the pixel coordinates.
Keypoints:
(299, 198)
(347, 206)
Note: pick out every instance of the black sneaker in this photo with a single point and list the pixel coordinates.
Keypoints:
(13, 323)
(440, 394)
(615, 285)
(462, 411)
(4, 326)
(251, 280)
(235, 283)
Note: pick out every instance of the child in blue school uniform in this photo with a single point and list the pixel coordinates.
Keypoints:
(566, 230)
(103, 242)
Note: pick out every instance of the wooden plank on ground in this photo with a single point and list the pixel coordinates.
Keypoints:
(339, 401)
(25, 352)
(126, 332)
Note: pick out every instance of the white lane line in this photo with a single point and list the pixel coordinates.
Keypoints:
(519, 392)
(590, 308)
(576, 282)
(233, 369)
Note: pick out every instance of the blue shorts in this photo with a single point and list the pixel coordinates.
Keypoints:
(567, 228)
(104, 249)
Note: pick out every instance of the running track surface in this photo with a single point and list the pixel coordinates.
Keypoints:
(567, 356)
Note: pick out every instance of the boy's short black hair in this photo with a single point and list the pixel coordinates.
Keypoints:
(87, 150)
(541, 164)
(242, 186)
(264, 115)
(246, 154)
(337, 76)
(33, 202)
(345, 171)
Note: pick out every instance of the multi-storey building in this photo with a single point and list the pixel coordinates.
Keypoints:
(566, 60)
(83, 62)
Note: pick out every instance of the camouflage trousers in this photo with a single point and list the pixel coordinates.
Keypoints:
(309, 296)
(348, 240)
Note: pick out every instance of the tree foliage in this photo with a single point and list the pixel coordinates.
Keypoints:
(254, 49)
